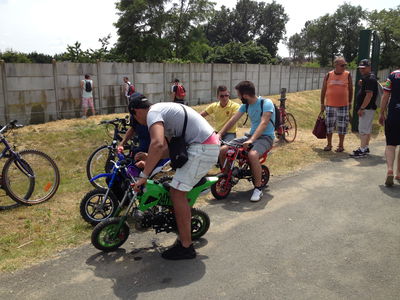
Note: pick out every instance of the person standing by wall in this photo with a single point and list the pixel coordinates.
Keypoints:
(129, 89)
(178, 92)
(365, 107)
(223, 110)
(391, 121)
(87, 96)
(336, 98)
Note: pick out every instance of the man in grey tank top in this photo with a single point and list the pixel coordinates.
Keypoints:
(165, 120)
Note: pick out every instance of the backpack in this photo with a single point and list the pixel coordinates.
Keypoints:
(277, 122)
(88, 86)
(180, 92)
(131, 89)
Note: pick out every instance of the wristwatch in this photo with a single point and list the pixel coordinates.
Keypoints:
(142, 175)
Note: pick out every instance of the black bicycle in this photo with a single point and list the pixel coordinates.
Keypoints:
(28, 176)
(101, 159)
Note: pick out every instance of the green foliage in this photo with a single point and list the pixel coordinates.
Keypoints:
(11, 56)
(329, 35)
(387, 23)
(236, 52)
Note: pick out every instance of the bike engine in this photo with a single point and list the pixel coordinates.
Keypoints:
(164, 221)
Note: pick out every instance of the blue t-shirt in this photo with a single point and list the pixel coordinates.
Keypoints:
(254, 112)
(142, 133)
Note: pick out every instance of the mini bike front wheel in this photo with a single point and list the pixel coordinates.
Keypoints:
(200, 223)
(109, 235)
(95, 209)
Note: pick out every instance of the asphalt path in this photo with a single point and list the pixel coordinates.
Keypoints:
(331, 231)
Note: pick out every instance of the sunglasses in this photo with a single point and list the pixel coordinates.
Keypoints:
(224, 96)
(343, 65)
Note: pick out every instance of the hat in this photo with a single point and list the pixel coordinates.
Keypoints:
(137, 100)
(364, 63)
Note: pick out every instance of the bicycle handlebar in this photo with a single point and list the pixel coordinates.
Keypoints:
(13, 124)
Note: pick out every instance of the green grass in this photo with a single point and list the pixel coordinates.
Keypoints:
(32, 234)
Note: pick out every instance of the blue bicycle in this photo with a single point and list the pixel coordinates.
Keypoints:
(101, 203)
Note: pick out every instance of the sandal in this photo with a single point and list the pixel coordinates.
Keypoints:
(397, 178)
(389, 179)
(328, 148)
(339, 149)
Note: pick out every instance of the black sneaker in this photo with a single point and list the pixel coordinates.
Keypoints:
(177, 252)
(367, 150)
(358, 153)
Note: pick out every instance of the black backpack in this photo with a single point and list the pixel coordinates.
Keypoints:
(88, 86)
(276, 111)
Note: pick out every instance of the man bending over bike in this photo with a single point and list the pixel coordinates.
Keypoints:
(166, 120)
(261, 112)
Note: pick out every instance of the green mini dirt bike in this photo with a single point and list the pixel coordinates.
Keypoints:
(151, 208)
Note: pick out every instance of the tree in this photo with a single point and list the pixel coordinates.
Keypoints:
(141, 30)
(271, 25)
(183, 17)
(11, 56)
(387, 23)
(349, 23)
(218, 30)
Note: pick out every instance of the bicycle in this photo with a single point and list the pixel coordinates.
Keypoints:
(236, 167)
(287, 130)
(100, 160)
(29, 176)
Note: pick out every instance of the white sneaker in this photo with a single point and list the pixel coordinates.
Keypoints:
(257, 194)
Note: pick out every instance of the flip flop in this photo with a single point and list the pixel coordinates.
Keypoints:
(339, 149)
(397, 178)
(328, 148)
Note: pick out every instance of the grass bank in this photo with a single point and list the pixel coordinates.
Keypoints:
(32, 234)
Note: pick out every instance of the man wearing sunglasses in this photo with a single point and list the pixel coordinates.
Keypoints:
(336, 97)
(222, 111)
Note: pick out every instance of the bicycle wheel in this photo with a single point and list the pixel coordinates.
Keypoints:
(289, 128)
(100, 162)
(32, 179)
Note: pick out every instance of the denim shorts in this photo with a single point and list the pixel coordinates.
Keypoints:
(201, 159)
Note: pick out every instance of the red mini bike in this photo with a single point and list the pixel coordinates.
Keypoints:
(236, 166)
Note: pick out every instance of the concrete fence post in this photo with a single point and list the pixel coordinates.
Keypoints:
(212, 80)
(54, 63)
(280, 77)
(305, 80)
(99, 83)
(258, 79)
(230, 77)
(190, 84)
(298, 79)
(290, 73)
(270, 79)
(312, 79)
(165, 81)
(245, 71)
(5, 90)
(134, 71)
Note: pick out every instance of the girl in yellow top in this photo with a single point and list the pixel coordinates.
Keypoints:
(223, 110)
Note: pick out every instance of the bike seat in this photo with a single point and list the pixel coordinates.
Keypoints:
(166, 186)
(202, 181)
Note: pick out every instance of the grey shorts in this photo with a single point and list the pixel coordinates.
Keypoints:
(261, 145)
(201, 159)
(365, 121)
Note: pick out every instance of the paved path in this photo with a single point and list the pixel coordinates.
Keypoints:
(328, 232)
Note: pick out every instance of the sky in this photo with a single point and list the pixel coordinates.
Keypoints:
(48, 26)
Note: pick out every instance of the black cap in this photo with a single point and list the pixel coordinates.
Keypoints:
(137, 100)
(364, 63)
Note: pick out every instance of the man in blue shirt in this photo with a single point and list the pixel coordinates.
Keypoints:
(261, 133)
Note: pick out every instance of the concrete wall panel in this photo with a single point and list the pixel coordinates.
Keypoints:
(29, 70)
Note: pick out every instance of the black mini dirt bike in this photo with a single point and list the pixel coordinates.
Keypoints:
(151, 208)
